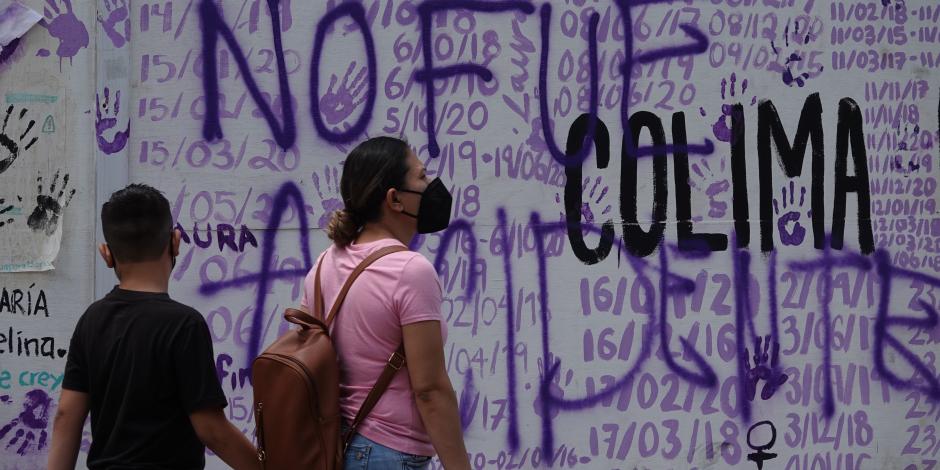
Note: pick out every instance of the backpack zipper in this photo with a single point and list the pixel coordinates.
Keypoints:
(260, 434)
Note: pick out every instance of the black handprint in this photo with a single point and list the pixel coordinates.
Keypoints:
(10, 146)
(5, 210)
(772, 376)
(48, 208)
(30, 424)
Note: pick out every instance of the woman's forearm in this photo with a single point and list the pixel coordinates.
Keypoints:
(441, 417)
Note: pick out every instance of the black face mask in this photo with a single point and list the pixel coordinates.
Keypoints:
(434, 212)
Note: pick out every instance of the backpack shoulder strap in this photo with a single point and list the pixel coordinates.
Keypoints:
(395, 362)
(318, 293)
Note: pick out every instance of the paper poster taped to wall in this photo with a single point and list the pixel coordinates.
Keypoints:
(34, 188)
(34, 194)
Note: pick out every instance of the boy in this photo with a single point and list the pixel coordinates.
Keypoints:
(141, 362)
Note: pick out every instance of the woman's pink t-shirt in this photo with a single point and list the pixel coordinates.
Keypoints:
(397, 290)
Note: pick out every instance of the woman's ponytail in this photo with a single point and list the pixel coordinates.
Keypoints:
(342, 228)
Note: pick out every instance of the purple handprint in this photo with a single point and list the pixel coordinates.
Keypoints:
(105, 119)
(66, 27)
(338, 104)
(116, 25)
(328, 201)
(722, 127)
(587, 198)
(795, 236)
(771, 374)
(717, 208)
(786, 74)
(28, 429)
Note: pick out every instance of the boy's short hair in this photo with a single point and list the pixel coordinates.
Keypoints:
(137, 223)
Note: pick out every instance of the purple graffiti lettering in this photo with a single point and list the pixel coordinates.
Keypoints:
(883, 338)
(287, 194)
(826, 263)
(741, 260)
(549, 399)
(448, 235)
(589, 135)
(468, 409)
(358, 14)
(510, 332)
(774, 311)
(698, 47)
(213, 26)
(429, 73)
(706, 376)
(829, 407)
(626, 69)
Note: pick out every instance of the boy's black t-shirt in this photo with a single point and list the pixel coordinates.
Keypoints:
(146, 362)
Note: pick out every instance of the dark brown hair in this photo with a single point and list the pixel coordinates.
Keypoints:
(370, 170)
(137, 224)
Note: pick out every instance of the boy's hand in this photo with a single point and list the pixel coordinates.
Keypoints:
(224, 439)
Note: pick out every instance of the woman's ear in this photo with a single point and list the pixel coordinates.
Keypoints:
(391, 199)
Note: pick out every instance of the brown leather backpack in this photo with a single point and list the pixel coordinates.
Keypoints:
(296, 388)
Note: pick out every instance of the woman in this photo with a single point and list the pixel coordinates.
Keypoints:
(388, 199)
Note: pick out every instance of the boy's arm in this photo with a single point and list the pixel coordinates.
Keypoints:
(224, 439)
(67, 429)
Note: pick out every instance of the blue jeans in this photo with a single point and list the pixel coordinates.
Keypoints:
(365, 454)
